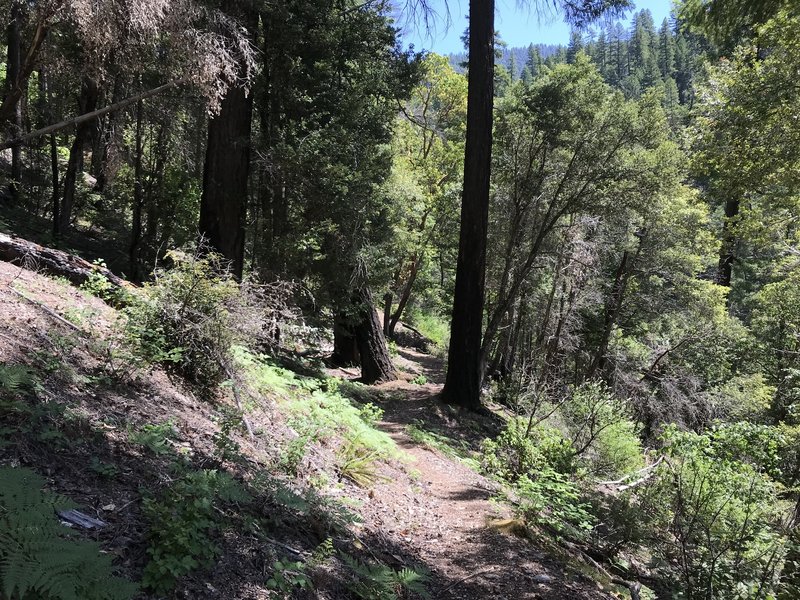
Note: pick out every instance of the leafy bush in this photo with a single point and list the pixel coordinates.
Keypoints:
(182, 522)
(722, 517)
(552, 498)
(37, 557)
(537, 461)
(616, 451)
(182, 320)
(522, 449)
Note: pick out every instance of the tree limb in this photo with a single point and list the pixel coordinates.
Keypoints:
(91, 115)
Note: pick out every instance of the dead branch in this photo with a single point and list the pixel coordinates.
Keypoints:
(46, 309)
(91, 115)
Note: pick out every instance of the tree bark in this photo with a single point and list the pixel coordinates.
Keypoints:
(376, 364)
(227, 167)
(54, 262)
(613, 305)
(20, 84)
(12, 77)
(86, 104)
(223, 204)
(138, 200)
(387, 313)
(464, 371)
(405, 295)
(55, 198)
(728, 247)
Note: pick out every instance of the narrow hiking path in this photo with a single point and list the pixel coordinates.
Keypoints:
(442, 514)
(430, 510)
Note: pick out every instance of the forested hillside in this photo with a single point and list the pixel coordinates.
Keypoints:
(290, 310)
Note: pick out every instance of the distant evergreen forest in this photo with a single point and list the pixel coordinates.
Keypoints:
(632, 58)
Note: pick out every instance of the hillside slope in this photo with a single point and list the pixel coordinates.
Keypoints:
(345, 493)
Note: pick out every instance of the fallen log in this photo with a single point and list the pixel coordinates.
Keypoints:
(34, 257)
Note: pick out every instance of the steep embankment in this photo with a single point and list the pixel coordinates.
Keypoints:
(326, 504)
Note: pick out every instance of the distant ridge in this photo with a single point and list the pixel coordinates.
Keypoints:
(520, 54)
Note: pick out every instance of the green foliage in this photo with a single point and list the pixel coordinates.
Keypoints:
(98, 285)
(182, 522)
(38, 558)
(182, 320)
(600, 428)
(358, 462)
(554, 499)
(720, 513)
(225, 447)
(288, 576)
(155, 437)
(15, 378)
(378, 582)
(525, 449)
(536, 460)
(318, 408)
(371, 414)
(103, 469)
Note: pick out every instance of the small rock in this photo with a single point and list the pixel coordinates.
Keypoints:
(542, 578)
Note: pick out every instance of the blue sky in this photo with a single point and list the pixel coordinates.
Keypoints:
(518, 26)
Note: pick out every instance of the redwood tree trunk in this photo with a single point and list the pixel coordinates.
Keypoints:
(376, 364)
(223, 203)
(464, 369)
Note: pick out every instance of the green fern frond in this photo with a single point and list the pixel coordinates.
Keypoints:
(16, 378)
(37, 557)
(375, 581)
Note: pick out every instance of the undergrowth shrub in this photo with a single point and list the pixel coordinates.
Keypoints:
(523, 448)
(537, 461)
(182, 524)
(717, 518)
(39, 557)
(183, 321)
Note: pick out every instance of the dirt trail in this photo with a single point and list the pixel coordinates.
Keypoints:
(440, 516)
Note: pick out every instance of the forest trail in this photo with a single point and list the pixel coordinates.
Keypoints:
(442, 517)
(430, 509)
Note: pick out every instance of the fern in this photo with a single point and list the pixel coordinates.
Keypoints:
(380, 582)
(16, 378)
(37, 558)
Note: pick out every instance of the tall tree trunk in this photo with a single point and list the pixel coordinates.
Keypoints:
(56, 197)
(224, 200)
(223, 204)
(12, 78)
(376, 364)
(138, 201)
(86, 103)
(610, 314)
(387, 313)
(464, 370)
(727, 249)
(102, 156)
